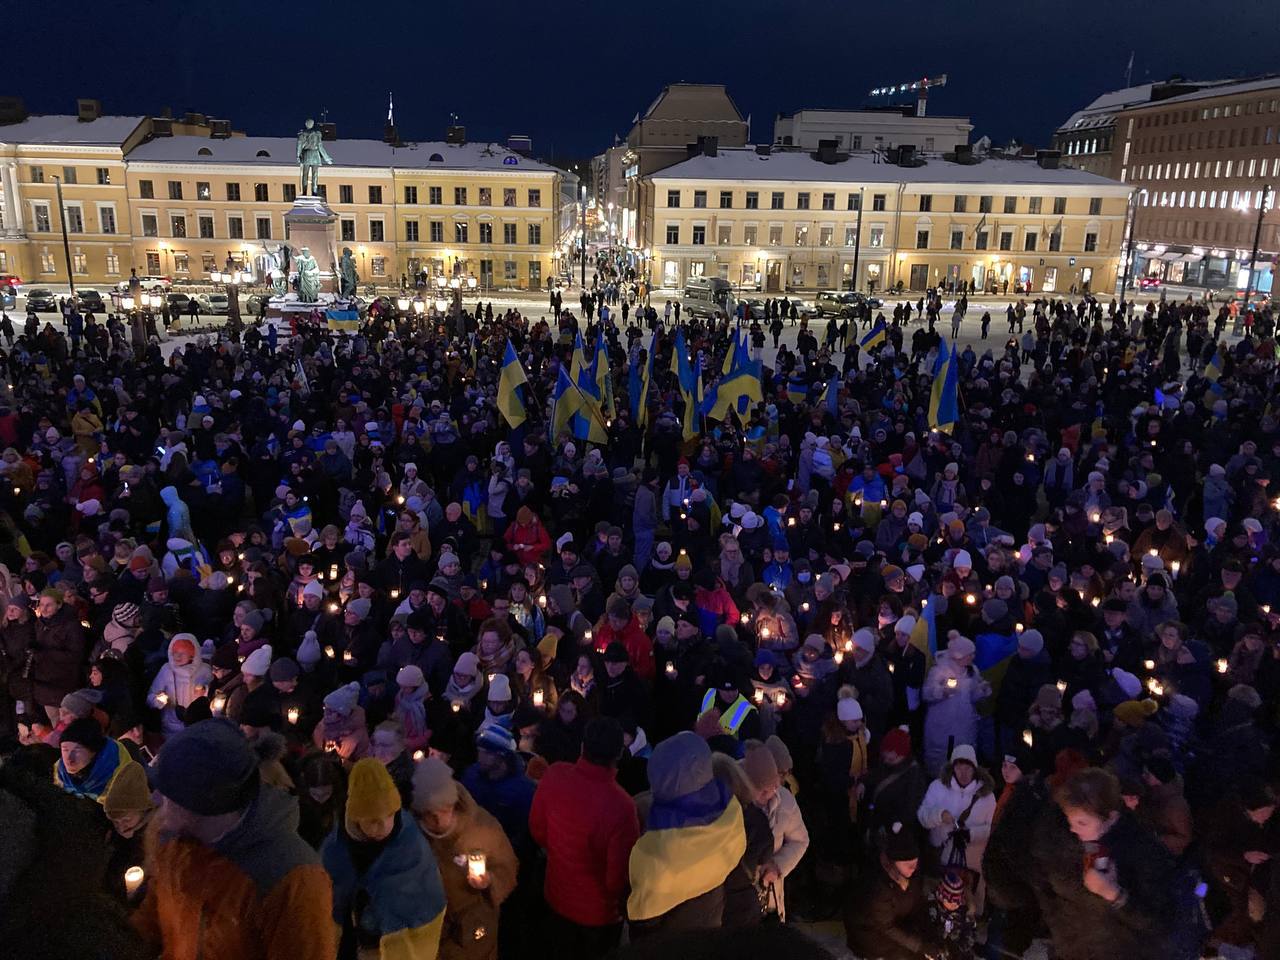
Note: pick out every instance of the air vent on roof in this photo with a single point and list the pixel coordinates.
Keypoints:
(195, 119)
(328, 131)
(220, 129)
(827, 152)
(204, 152)
(763, 150)
(161, 127)
(455, 134)
(1048, 159)
(262, 153)
(88, 110)
(435, 158)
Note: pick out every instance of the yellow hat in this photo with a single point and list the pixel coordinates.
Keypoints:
(1133, 712)
(549, 643)
(371, 793)
(128, 792)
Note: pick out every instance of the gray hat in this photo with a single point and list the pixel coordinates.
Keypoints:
(360, 607)
(1032, 641)
(993, 609)
(208, 768)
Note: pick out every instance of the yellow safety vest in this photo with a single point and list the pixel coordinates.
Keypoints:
(732, 718)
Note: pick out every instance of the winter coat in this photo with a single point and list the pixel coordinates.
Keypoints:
(349, 736)
(471, 916)
(1007, 867)
(639, 646)
(397, 901)
(178, 684)
(508, 799)
(893, 795)
(587, 825)
(790, 839)
(945, 794)
(741, 899)
(1166, 811)
(60, 649)
(1083, 925)
(880, 918)
(259, 893)
(951, 715)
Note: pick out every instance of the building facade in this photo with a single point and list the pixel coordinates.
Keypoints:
(773, 221)
(855, 130)
(1205, 166)
(184, 206)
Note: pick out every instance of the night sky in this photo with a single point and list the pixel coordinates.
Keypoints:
(573, 73)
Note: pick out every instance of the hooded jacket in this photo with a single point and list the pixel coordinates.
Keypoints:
(178, 684)
(259, 893)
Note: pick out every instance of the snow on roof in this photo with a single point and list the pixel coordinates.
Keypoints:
(1102, 110)
(346, 153)
(797, 166)
(55, 129)
(1226, 88)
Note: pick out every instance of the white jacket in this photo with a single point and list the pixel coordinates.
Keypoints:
(790, 838)
(953, 798)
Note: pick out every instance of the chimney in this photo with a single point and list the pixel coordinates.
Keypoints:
(390, 134)
(194, 119)
(162, 126)
(1048, 159)
(455, 133)
(88, 110)
(692, 150)
(709, 146)
(220, 129)
(964, 152)
(12, 110)
(763, 150)
(906, 155)
(328, 131)
(827, 151)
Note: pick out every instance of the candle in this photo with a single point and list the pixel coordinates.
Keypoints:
(1027, 738)
(162, 698)
(839, 656)
(1062, 686)
(331, 746)
(133, 878)
(970, 599)
(835, 527)
(456, 706)
(587, 633)
(333, 608)
(330, 652)
(670, 669)
(1155, 686)
(1266, 608)
(805, 606)
(476, 865)
(219, 704)
(1095, 601)
(400, 499)
(1222, 666)
(764, 633)
(395, 594)
(542, 599)
(952, 683)
(17, 491)
(890, 666)
(1095, 517)
(759, 695)
(780, 698)
(1174, 567)
(293, 713)
(745, 618)
(1149, 664)
(418, 756)
(1108, 538)
(791, 521)
(538, 698)
(333, 571)
(348, 656)
(1153, 552)
(1018, 627)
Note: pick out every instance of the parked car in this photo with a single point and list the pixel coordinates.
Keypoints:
(90, 300)
(844, 303)
(216, 303)
(12, 282)
(178, 302)
(255, 303)
(1148, 283)
(42, 300)
(153, 283)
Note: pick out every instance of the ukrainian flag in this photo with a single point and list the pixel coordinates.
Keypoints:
(1214, 368)
(510, 396)
(603, 376)
(875, 336)
(588, 423)
(738, 388)
(944, 407)
(831, 397)
(797, 389)
(689, 384)
(566, 402)
(924, 636)
(731, 355)
(641, 380)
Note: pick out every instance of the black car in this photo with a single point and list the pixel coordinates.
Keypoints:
(90, 300)
(42, 301)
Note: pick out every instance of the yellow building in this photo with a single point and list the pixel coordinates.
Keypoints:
(184, 206)
(87, 158)
(773, 220)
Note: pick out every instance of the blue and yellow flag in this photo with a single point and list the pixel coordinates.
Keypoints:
(875, 336)
(510, 380)
(924, 636)
(603, 376)
(738, 389)
(797, 389)
(831, 397)
(588, 422)
(640, 399)
(944, 405)
(731, 355)
(1214, 368)
(687, 381)
(566, 401)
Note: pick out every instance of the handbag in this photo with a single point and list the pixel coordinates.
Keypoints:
(769, 910)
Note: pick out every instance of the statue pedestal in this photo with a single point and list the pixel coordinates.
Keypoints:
(311, 224)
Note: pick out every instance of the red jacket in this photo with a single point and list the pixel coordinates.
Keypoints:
(588, 825)
(639, 646)
(533, 539)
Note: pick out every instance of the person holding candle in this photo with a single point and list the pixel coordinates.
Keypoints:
(952, 691)
(343, 730)
(182, 679)
(387, 892)
(478, 866)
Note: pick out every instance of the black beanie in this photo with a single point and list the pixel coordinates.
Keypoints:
(900, 843)
(208, 768)
(86, 732)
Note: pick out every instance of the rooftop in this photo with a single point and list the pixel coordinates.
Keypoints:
(798, 166)
(346, 153)
(1103, 109)
(1226, 88)
(693, 101)
(56, 128)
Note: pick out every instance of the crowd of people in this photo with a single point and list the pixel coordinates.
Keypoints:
(319, 650)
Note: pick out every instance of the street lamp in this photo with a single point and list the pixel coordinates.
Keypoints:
(1264, 202)
(1128, 255)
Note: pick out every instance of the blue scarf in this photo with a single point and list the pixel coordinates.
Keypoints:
(94, 784)
(696, 809)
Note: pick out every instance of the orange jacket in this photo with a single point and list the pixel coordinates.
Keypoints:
(259, 893)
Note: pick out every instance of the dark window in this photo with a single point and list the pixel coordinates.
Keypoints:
(753, 200)
(853, 201)
(375, 194)
(877, 201)
(775, 201)
(289, 192)
(922, 239)
(984, 204)
(233, 192)
(235, 228)
(1090, 242)
(376, 231)
(348, 230)
(146, 190)
(205, 225)
(926, 202)
(202, 190)
(260, 192)
(264, 228)
(508, 233)
(700, 198)
(1029, 241)
(961, 203)
(435, 195)
(486, 232)
(673, 198)
(699, 236)
(175, 189)
(673, 233)
(410, 195)
(346, 193)
(104, 176)
(726, 199)
(437, 231)
(802, 201)
(1095, 206)
(980, 241)
(828, 201)
(459, 196)
(411, 231)
(535, 198)
(535, 234)
(1059, 205)
(1010, 204)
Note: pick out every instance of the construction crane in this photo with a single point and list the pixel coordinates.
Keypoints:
(921, 87)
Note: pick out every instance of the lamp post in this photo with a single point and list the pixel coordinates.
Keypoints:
(1128, 253)
(857, 242)
(1263, 203)
(582, 228)
(66, 243)
(231, 279)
